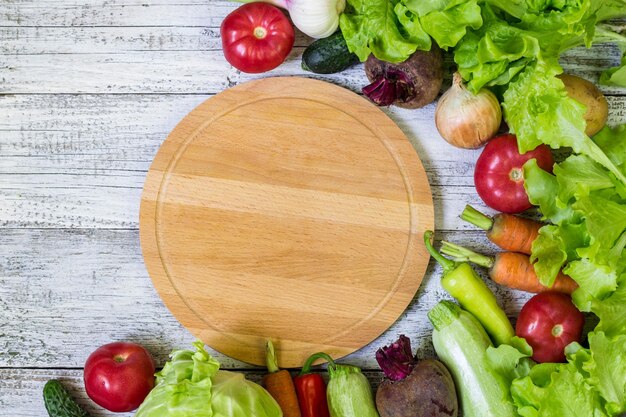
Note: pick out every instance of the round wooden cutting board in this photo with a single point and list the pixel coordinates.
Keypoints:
(290, 209)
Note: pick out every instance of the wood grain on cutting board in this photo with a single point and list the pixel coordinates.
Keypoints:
(286, 208)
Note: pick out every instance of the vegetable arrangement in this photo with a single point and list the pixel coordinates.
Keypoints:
(506, 54)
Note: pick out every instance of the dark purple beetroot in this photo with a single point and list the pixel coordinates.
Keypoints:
(411, 84)
(413, 389)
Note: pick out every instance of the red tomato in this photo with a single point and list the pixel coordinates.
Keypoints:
(256, 37)
(549, 321)
(118, 376)
(499, 177)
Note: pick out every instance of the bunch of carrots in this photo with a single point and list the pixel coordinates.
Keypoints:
(511, 268)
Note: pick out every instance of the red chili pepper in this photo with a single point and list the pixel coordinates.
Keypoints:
(311, 389)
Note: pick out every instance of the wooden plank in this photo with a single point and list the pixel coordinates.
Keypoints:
(65, 292)
(198, 71)
(114, 13)
(21, 389)
(30, 40)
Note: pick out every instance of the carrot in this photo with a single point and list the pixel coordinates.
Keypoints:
(509, 232)
(280, 385)
(510, 269)
(514, 270)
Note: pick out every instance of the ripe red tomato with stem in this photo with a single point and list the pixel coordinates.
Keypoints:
(499, 177)
(256, 37)
(550, 321)
(118, 376)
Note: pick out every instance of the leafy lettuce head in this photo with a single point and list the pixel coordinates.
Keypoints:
(191, 384)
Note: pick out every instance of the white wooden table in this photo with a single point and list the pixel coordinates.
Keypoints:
(88, 91)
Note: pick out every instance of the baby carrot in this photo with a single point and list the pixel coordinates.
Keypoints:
(509, 232)
(510, 269)
(280, 385)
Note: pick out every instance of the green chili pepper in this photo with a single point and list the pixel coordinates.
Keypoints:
(348, 392)
(462, 283)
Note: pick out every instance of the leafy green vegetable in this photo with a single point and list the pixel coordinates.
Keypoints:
(595, 281)
(613, 142)
(511, 360)
(542, 189)
(578, 175)
(615, 76)
(191, 384)
(612, 311)
(234, 396)
(607, 369)
(446, 21)
(587, 207)
(183, 387)
(538, 110)
(371, 26)
(553, 390)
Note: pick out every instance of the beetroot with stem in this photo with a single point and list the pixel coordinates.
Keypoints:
(410, 84)
(412, 388)
(396, 360)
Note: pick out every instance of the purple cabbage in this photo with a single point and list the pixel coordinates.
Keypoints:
(396, 360)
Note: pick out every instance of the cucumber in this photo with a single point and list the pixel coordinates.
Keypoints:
(328, 55)
(59, 402)
(461, 343)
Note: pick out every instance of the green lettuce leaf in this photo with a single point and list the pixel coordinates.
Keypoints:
(615, 76)
(371, 26)
(446, 20)
(556, 390)
(555, 246)
(538, 110)
(183, 387)
(605, 219)
(595, 282)
(607, 369)
(235, 396)
(578, 175)
(543, 189)
(512, 359)
(612, 141)
(191, 384)
(495, 53)
(609, 9)
(612, 311)
(413, 30)
(548, 254)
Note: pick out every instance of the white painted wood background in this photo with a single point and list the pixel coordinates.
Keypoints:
(88, 91)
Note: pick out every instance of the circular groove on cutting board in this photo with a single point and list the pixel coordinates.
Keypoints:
(286, 208)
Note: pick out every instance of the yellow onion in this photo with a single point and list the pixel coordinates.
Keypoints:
(465, 119)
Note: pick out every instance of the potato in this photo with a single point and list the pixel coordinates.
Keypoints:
(427, 392)
(588, 94)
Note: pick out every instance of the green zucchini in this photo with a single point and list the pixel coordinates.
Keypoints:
(59, 402)
(461, 343)
(328, 55)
